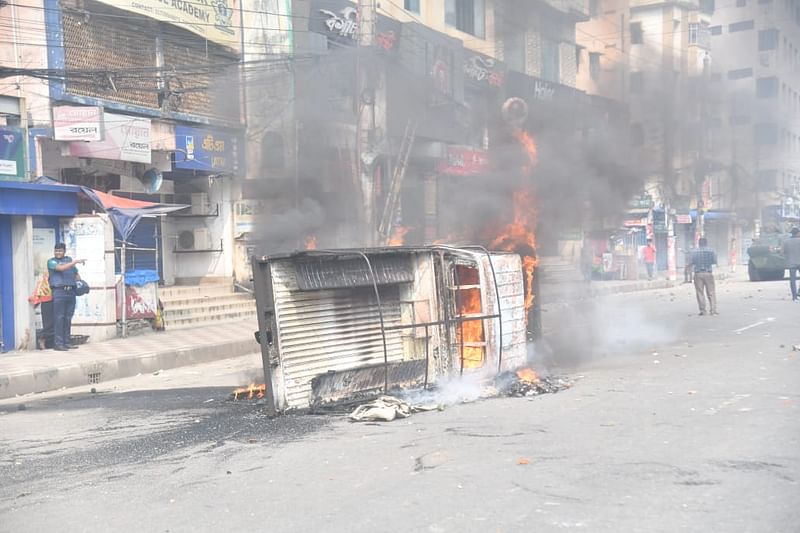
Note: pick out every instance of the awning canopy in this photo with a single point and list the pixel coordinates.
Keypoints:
(126, 213)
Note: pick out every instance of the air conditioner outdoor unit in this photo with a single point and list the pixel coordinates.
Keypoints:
(196, 239)
(200, 204)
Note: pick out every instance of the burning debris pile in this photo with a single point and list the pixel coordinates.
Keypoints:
(526, 382)
(250, 392)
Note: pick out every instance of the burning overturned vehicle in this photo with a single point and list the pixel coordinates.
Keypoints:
(339, 324)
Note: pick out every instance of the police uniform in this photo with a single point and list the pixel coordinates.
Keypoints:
(63, 286)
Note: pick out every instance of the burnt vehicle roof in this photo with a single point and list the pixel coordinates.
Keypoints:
(379, 250)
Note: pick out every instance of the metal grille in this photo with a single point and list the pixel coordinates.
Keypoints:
(103, 38)
(209, 93)
(98, 42)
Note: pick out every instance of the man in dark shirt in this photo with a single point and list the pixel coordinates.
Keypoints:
(63, 279)
(791, 251)
(703, 261)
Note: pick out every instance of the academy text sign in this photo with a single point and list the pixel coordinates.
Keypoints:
(215, 20)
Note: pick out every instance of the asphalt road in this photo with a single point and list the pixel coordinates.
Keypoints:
(675, 423)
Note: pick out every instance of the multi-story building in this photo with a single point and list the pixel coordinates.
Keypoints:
(756, 132)
(654, 56)
(141, 101)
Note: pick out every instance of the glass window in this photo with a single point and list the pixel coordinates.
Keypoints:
(767, 40)
(465, 15)
(741, 26)
(411, 5)
(739, 74)
(550, 61)
(514, 51)
(594, 65)
(636, 33)
(767, 87)
(716, 30)
(694, 30)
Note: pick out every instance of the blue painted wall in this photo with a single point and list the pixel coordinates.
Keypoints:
(6, 283)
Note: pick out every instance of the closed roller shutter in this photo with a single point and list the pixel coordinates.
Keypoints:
(335, 329)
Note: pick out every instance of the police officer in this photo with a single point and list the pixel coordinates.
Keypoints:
(63, 280)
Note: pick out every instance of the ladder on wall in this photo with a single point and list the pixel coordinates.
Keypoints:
(393, 195)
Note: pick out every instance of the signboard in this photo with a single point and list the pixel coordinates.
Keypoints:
(539, 90)
(464, 161)
(77, 123)
(484, 71)
(12, 153)
(338, 21)
(247, 214)
(125, 138)
(682, 218)
(205, 150)
(215, 20)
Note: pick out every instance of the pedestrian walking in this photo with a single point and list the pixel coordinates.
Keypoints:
(791, 251)
(687, 267)
(733, 255)
(650, 258)
(64, 278)
(703, 261)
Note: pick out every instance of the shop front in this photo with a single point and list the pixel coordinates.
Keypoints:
(30, 216)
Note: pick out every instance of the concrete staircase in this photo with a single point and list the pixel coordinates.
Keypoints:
(211, 302)
(555, 270)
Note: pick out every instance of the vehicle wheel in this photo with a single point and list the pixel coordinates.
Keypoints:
(752, 272)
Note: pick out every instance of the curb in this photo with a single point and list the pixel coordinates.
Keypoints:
(100, 371)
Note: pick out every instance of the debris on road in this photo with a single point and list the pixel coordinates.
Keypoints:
(526, 385)
(386, 408)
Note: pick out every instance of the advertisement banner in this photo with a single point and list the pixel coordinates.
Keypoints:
(215, 20)
(12, 153)
(205, 150)
(464, 161)
(77, 123)
(338, 21)
(484, 71)
(125, 139)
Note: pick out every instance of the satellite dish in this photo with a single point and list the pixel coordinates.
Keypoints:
(152, 180)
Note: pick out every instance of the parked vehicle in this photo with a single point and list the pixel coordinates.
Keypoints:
(766, 257)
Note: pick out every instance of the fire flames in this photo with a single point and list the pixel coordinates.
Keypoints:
(311, 242)
(529, 145)
(470, 332)
(519, 237)
(398, 236)
(252, 391)
(527, 374)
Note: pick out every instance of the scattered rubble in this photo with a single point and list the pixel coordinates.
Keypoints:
(541, 385)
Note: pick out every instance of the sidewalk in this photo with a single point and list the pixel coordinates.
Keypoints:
(46, 370)
(582, 290)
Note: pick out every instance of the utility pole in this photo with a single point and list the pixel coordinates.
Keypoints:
(702, 165)
(365, 118)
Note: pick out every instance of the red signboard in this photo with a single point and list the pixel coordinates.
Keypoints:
(464, 161)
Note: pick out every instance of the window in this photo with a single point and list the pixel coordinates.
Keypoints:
(637, 82)
(594, 8)
(694, 30)
(465, 15)
(594, 65)
(767, 87)
(411, 5)
(636, 33)
(707, 6)
(550, 61)
(514, 49)
(741, 3)
(767, 40)
(741, 26)
(739, 74)
(716, 30)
